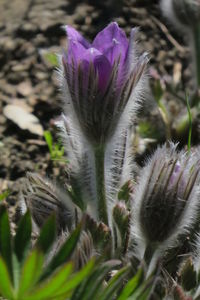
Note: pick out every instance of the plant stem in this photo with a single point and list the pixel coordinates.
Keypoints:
(99, 153)
(149, 251)
(149, 258)
(196, 32)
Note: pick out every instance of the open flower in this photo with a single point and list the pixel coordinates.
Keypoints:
(100, 79)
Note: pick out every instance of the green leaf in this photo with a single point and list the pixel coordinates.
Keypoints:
(76, 279)
(48, 289)
(91, 287)
(157, 90)
(148, 130)
(124, 192)
(49, 140)
(5, 239)
(23, 236)
(47, 234)
(16, 271)
(31, 272)
(64, 253)
(56, 150)
(75, 193)
(114, 284)
(143, 292)
(132, 285)
(4, 195)
(6, 289)
(190, 122)
(51, 58)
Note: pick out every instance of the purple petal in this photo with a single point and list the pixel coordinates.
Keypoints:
(112, 42)
(175, 174)
(101, 64)
(75, 52)
(74, 35)
(132, 56)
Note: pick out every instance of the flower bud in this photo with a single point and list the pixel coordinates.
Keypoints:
(188, 275)
(42, 197)
(121, 217)
(187, 11)
(183, 13)
(167, 196)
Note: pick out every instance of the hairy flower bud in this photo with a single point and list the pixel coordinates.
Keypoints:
(167, 197)
(182, 12)
(187, 11)
(188, 275)
(99, 79)
(185, 15)
(42, 198)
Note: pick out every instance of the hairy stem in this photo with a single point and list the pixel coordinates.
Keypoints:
(99, 153)
(149, 252)
(149, 258)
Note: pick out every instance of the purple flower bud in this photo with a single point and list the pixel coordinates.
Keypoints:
(167, 197)
(99, 79)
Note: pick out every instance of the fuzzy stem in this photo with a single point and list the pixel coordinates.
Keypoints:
(99, 153)
(149, 260)
(196, 32)
(148, 254)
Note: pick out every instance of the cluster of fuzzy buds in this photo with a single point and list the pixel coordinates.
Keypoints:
(102, 84)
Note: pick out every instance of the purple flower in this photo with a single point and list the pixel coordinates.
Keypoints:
(100, 78)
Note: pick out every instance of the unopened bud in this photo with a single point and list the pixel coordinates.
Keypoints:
(167, 196)
(188, 275)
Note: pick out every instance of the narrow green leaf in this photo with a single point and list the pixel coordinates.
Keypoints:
(132, 285)
(49, 140)
(190, 122)
(93, 286)
(31, 272)
(49, 288)
(6, 289)
(47, 234)
(143, 292)
(16, 271)
(76, 279)
(64, 253)
(114, 284)
(23, 236)
(5, 239)
(89, 288)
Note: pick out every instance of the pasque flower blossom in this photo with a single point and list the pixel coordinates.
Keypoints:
(100, 78)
